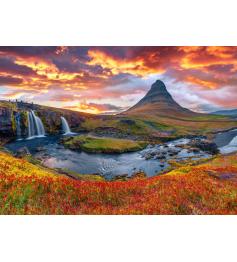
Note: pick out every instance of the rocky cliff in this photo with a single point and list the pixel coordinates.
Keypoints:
(14, 114)
(7, 123)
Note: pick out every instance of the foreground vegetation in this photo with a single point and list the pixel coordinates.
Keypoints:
(102, 145)
(209, 188)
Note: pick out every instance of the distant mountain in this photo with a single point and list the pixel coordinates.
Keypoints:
(231, 112)
(158, 101)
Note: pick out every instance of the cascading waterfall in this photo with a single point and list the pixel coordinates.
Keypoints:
(18, 125)
(231, 147)
(35, 125)
(233, 142)
(65, 126)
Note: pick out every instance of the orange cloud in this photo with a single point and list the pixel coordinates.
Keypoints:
(84, 107)
(202, 57)
(47, 69)
(134, 66)
(200, 82)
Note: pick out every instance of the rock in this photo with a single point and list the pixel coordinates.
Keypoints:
(122, 177)
(195, 150)
(6, 122)
(205, 145)
(148, 156)
(22, 152)
(149, 146)
(160, 156)
(139, 174)
(40, 149)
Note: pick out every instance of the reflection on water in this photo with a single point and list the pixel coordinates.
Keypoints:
(54, 155)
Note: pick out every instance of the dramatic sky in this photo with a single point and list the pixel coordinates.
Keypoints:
(111, 79)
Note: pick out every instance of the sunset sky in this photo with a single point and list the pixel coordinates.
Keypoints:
(111, 79)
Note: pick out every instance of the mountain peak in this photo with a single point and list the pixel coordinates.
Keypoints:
(157, 92)
(158, 85)
(158, 101)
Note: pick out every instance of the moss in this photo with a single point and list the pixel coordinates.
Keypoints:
(103, 145)
(13, 122)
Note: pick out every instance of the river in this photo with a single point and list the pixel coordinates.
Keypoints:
(53, 155)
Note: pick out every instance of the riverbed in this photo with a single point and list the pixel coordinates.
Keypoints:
(151, 160)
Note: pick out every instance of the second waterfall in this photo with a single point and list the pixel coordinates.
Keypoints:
(35, 125)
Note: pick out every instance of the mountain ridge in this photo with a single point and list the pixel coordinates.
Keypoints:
(227, 112)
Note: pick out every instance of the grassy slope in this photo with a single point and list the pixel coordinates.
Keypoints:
(102, 145)
(210, 188)
(162, 126)
(148, 124)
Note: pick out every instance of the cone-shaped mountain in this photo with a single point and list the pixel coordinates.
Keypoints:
(158, 101)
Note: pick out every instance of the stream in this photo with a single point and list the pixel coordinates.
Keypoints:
(151, 160)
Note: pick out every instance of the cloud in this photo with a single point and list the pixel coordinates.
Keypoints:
(8, 66)
(96, 108)
(200, 77)
(136, 66)
(8, 80)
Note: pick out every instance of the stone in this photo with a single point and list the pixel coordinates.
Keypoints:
(205, 145)
(22, 152)
(139, 174)
(40, 149)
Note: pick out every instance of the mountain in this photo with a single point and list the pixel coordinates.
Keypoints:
(232, 112)
(158, 101)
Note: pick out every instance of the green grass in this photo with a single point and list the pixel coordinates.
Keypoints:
(7, 104)
(102, 145)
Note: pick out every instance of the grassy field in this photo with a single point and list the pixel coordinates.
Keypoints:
(155, 126)
(102, 145)
(209, 188)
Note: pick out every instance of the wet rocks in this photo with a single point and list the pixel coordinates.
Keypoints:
(40, 149)
(139, 174)
(22, 152)
(204, 145)
(6, 122)
(123, 177)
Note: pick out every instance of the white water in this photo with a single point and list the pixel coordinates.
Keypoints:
(35, 126)
(18, 126)
(65, 126)
(231, 147)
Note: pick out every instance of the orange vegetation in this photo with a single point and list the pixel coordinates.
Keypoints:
(209, 188)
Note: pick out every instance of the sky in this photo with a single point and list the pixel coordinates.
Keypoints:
(108, 80)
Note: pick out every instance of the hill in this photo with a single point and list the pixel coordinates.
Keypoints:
(232, 113)
(209, 188)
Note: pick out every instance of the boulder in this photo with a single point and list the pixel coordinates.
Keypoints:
(139, 174)
(22, 152)
(40, 149)
(205, 145)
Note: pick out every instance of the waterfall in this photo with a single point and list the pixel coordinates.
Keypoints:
(231, 147)
(233, 142)
(18, 125)
(35, 125)
(65, 126)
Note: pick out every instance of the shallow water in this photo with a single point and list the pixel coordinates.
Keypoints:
(54, 155)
